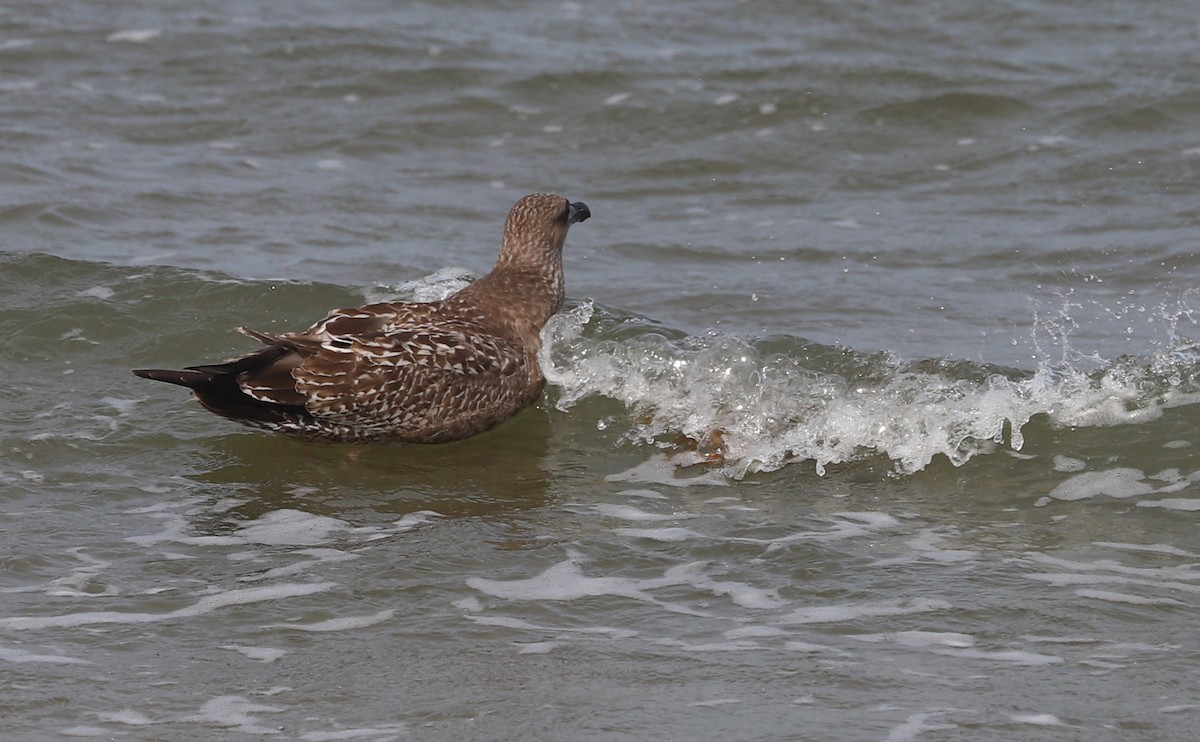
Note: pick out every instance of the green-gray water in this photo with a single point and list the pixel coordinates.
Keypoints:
(931, 270)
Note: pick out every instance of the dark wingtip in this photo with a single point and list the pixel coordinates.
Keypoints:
(190, 379)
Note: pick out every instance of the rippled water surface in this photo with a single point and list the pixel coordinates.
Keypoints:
(872, 414)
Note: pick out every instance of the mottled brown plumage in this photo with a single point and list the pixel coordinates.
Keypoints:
(424, 372)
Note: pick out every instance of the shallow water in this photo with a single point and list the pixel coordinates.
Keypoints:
(921, 282)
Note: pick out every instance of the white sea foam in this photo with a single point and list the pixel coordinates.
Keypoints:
(390, 731)
(714, 702)
(135, 35)
(1183, 572)
(1015, 656)
(764, 403)
(754, 632)
(922, 638)
(236, 713)
(648, 494)
(926, 544)
(283, 527)
(666, 535)
(523, 625)
(342, 623)
(103, 293)
(665, 470)
(847, 526)
(129, 717)
(914, 728)
(83, 730)
(810, 648)
(1042, 720)
(258, 654)
(1068, 464)
(631, 513)
(1153, 548)
(1121, 482)
(434, 287)
(566, 581)
(858, 611)
(205, 604)
(319, 556)
(291, 527)
(19, 656)
(1187, 504)
(1115, 597)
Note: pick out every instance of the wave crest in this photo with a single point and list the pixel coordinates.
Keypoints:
(779, 399)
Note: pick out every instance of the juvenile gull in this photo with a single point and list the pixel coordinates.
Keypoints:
(425, 372)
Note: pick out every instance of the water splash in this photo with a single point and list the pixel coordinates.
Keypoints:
(780, 399)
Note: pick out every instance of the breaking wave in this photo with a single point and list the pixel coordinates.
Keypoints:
(755, 404)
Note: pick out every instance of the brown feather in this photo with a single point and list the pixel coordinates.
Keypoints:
(422, 372)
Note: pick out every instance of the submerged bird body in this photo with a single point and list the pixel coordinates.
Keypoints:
(425, 372)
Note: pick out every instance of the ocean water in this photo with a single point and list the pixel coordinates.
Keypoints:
(872, 414)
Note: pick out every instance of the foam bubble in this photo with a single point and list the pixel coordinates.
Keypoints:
(103, 293)
(854, 612)
(1068, 464)
(342, 623)
(668, 471)
(1121, 482)
(1115, 597)
(20, 656)
(566, 581)
(206, 604)
(128, 717)
(290, 527)
(810, 648)
(753, 632)
(1015, 656)
(82, 730)
(1042, 720)
(713, 703)
(1152, 548)
(135, 35)
(926, 545)
(236, 713)
(666, 535)
(1186, 504)
(258, 654)
(922, 638)
(914, 727)
(631, 513)
(648, 494)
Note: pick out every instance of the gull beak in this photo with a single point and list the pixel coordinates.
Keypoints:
(577, 212)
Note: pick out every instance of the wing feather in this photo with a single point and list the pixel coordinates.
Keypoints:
(406, 376)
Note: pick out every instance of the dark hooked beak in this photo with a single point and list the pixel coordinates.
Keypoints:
(577, 212)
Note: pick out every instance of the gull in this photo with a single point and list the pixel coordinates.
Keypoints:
(422, 372)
